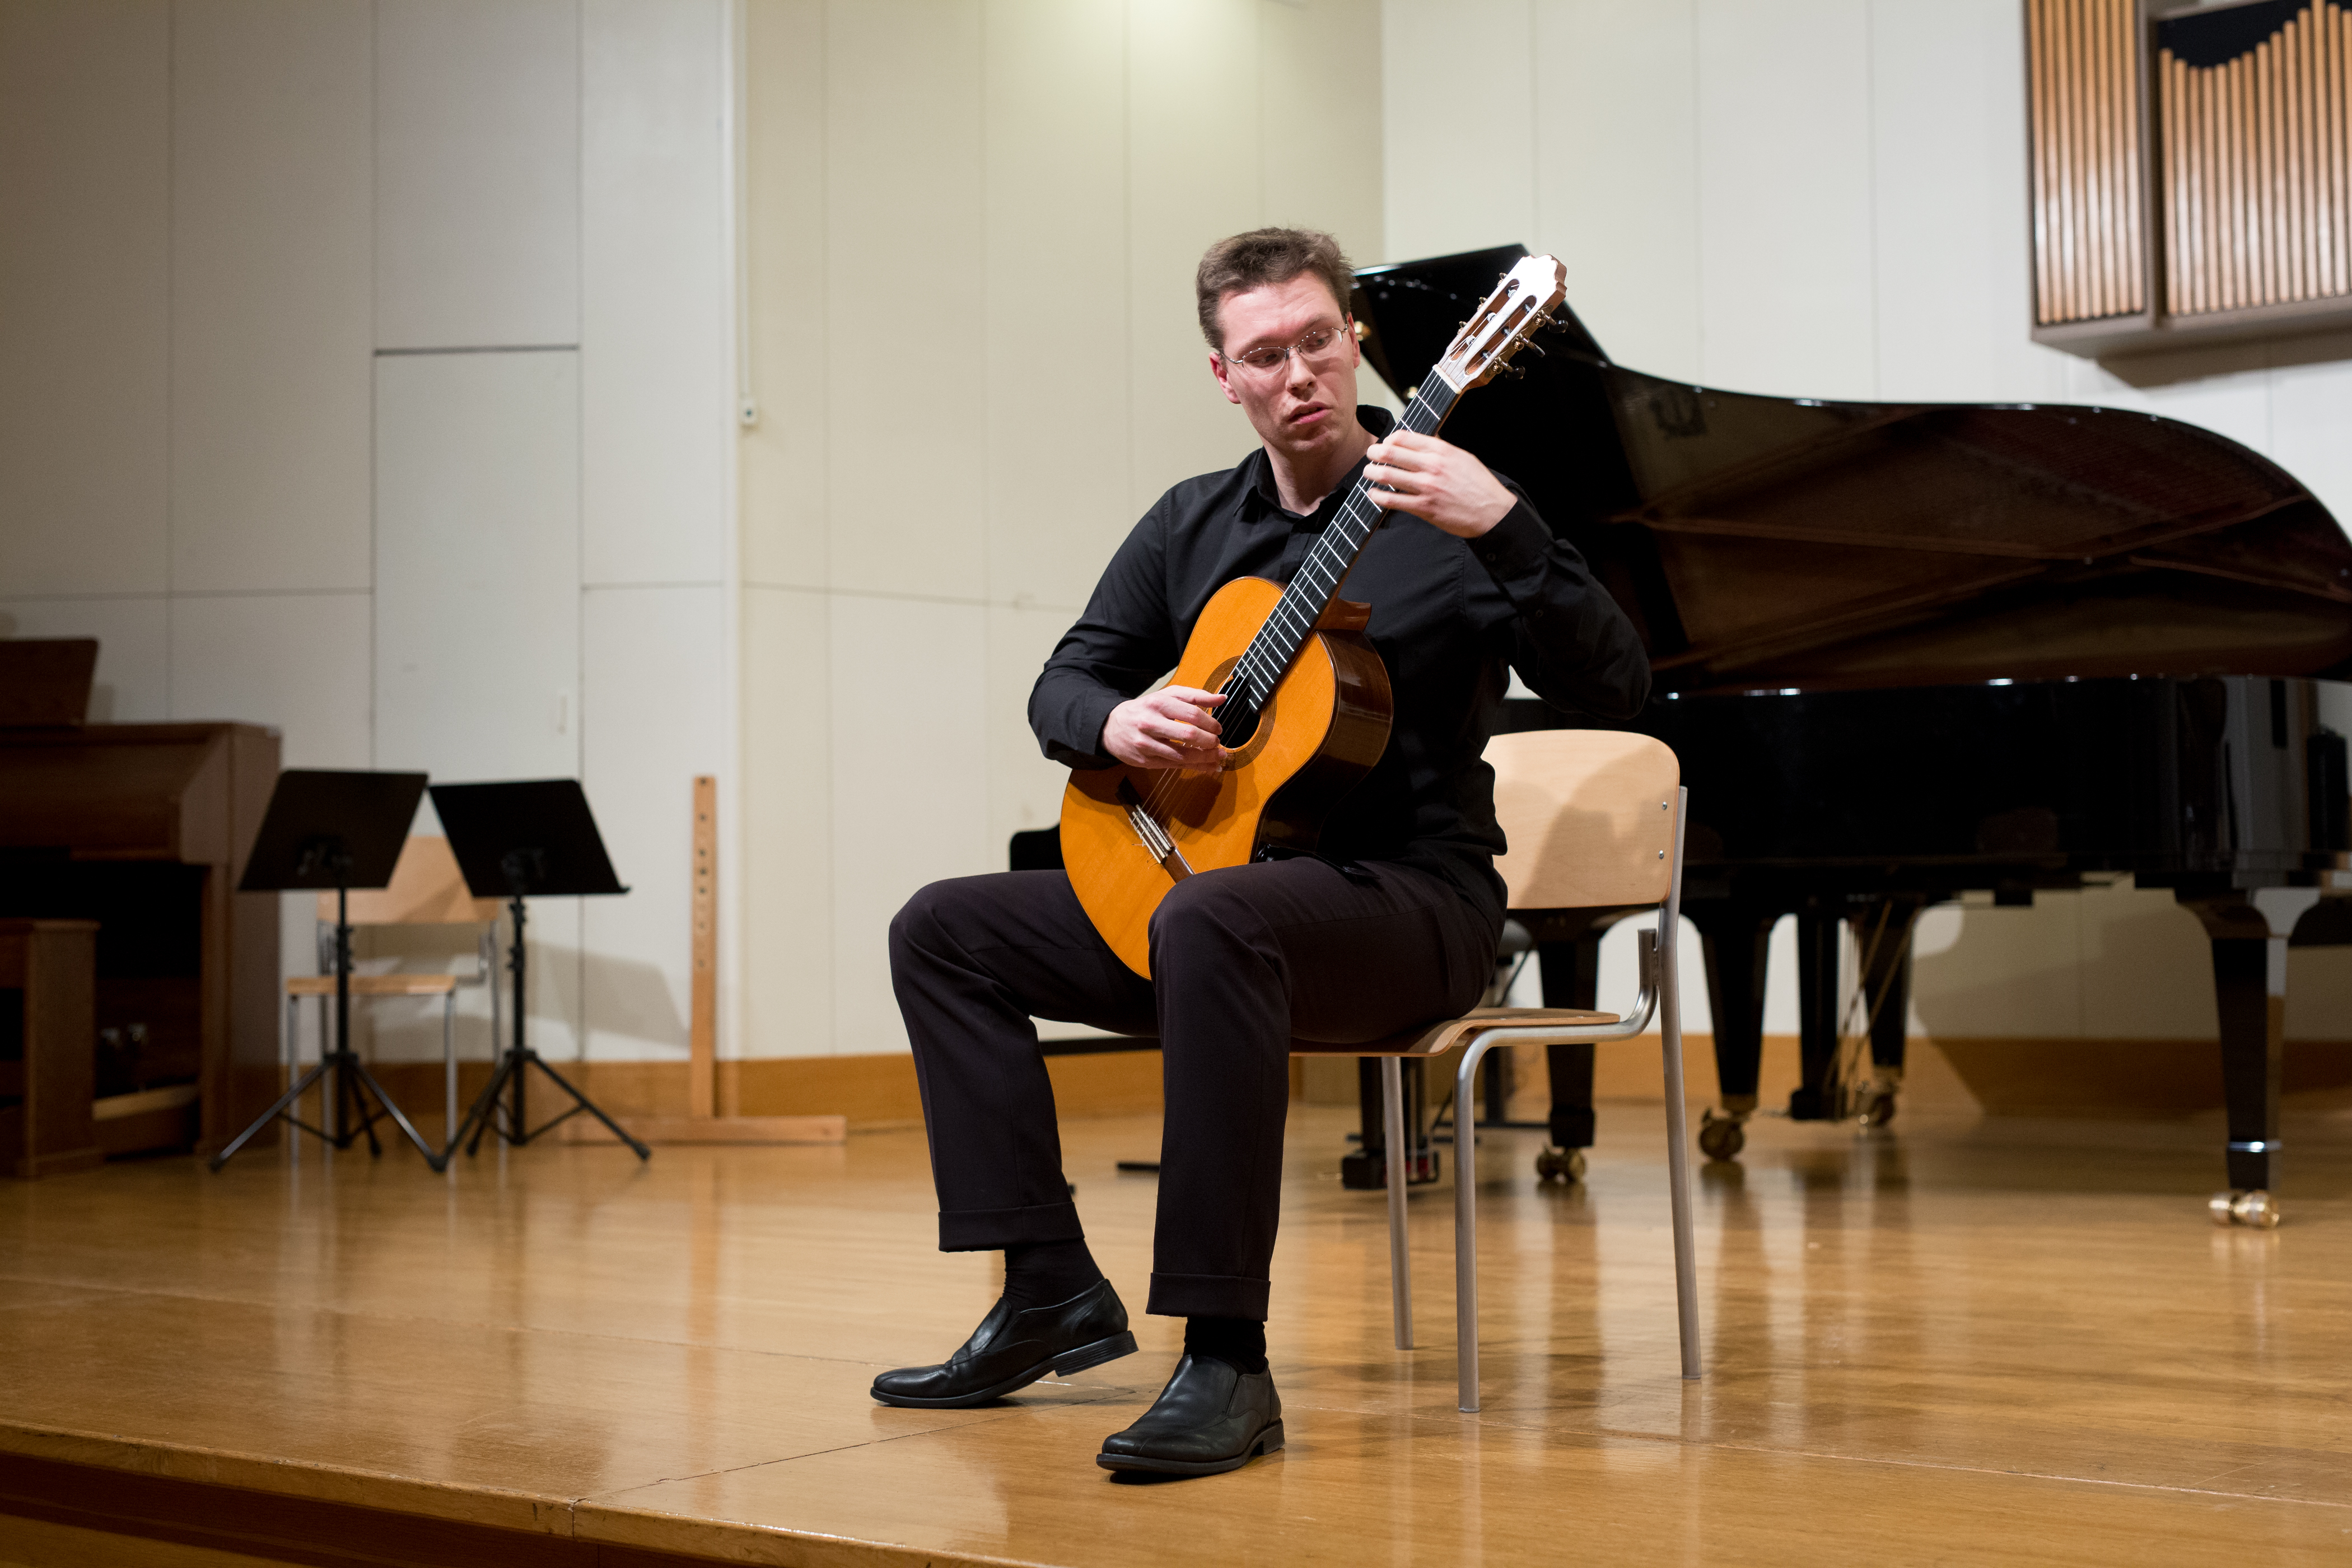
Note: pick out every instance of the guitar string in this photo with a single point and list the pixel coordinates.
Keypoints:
(1250, 676)
(1261, 668)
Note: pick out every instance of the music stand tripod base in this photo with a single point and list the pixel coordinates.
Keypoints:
(527, 840)
(336, 831)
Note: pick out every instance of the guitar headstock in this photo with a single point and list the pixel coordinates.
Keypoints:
(1499, 328)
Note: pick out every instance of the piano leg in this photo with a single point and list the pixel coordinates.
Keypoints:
(1818, 1098)
(1571, 978)
(1365, 1167)
(2248, 968)
(1735, 938)
(1887, 992)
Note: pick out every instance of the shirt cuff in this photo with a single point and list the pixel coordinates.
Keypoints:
(1516, 550)
(1080, 745)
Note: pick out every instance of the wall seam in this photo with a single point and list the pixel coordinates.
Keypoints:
(580, 473)
(833, 1009)
(1698, 183)
(731, 868)
(375, 186)
(1535, 238)
(1870, 167)
(171, 345)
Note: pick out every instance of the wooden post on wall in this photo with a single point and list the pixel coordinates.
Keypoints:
(702, 1037)
(702, 1123)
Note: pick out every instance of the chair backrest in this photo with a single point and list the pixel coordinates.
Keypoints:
(426, 890)
(1589, 816)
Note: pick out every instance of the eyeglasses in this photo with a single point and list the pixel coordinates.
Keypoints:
(1320, 347)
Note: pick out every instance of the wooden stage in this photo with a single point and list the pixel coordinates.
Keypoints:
(1961, 1342)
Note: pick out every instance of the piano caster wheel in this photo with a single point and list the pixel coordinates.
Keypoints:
(1877, 1108)
(2256, 1210)
(1565, 1166)
(1720, 1137)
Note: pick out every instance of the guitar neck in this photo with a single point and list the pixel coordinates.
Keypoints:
(1327, 565)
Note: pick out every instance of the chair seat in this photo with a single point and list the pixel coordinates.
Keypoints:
(374, 985)
(1436, 1039)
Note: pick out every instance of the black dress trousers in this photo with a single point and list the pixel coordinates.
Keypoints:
(1243, 960)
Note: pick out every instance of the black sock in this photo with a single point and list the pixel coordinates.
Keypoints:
(1239, 1342)
(1049, 1273)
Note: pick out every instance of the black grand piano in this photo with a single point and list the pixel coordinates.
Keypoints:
(1909, 650)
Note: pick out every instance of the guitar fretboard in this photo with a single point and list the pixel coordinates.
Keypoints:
(1319, 577)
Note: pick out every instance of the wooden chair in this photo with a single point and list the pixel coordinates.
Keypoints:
(427, 889)
(1594, 818)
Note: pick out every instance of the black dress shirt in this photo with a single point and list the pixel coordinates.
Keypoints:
(1450, 618)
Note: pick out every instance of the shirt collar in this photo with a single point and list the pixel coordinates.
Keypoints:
(1260, 500)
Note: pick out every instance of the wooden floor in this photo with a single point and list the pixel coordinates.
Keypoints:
(1960, 1341)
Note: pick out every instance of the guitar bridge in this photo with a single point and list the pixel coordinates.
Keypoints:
(1151, 836)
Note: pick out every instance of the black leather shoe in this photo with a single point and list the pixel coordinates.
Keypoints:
(1010, 1349)
(1210, 1418)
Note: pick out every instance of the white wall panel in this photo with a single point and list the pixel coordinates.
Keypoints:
(132, 684)
(651, 711)
(905, 339)
(1616, 129)
(298, 662)
(2225, 388)
(1057, 491)
(1947, 85)
(655, 290)
(2008, 971)
(478, 173)
(2145, 967)
(84, 94)
(478, 565)
(1024, 788)
(2311, 423)
(1459, 151)
(783, 476)
(271, 294)
(910, 739)
(1321, 102)
(1784, 197)
(787, 821)
(1192, 93)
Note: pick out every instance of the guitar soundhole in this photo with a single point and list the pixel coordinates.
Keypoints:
(1238, 719)
(1240, 722)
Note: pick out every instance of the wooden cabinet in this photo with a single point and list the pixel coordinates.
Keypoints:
(48, 1037)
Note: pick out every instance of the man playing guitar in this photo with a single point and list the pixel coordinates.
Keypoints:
(1392, 924)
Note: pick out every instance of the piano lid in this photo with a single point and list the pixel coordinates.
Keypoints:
(1800, 542)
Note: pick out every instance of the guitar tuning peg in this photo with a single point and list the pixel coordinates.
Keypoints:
(1517, 372)
(1535, 348)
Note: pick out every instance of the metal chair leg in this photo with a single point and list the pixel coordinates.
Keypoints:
(290, 1058)
(1465, 1230)
(1670, 1034)
(1398, 1152)
(449, 1061)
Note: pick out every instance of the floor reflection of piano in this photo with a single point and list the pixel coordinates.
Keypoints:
(1908, 649)
(144, 828)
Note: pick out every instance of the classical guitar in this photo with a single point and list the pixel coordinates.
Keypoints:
(1306, 704)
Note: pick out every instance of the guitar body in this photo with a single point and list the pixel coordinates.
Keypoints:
(1327, 724)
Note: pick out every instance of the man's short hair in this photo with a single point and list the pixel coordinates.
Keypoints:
(1263, 259)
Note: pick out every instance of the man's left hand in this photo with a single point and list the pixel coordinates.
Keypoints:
(1438, 482)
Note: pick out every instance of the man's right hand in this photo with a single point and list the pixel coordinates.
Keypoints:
(1174, 727)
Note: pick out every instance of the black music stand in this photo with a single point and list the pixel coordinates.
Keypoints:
(514, 841)
(338, 831)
